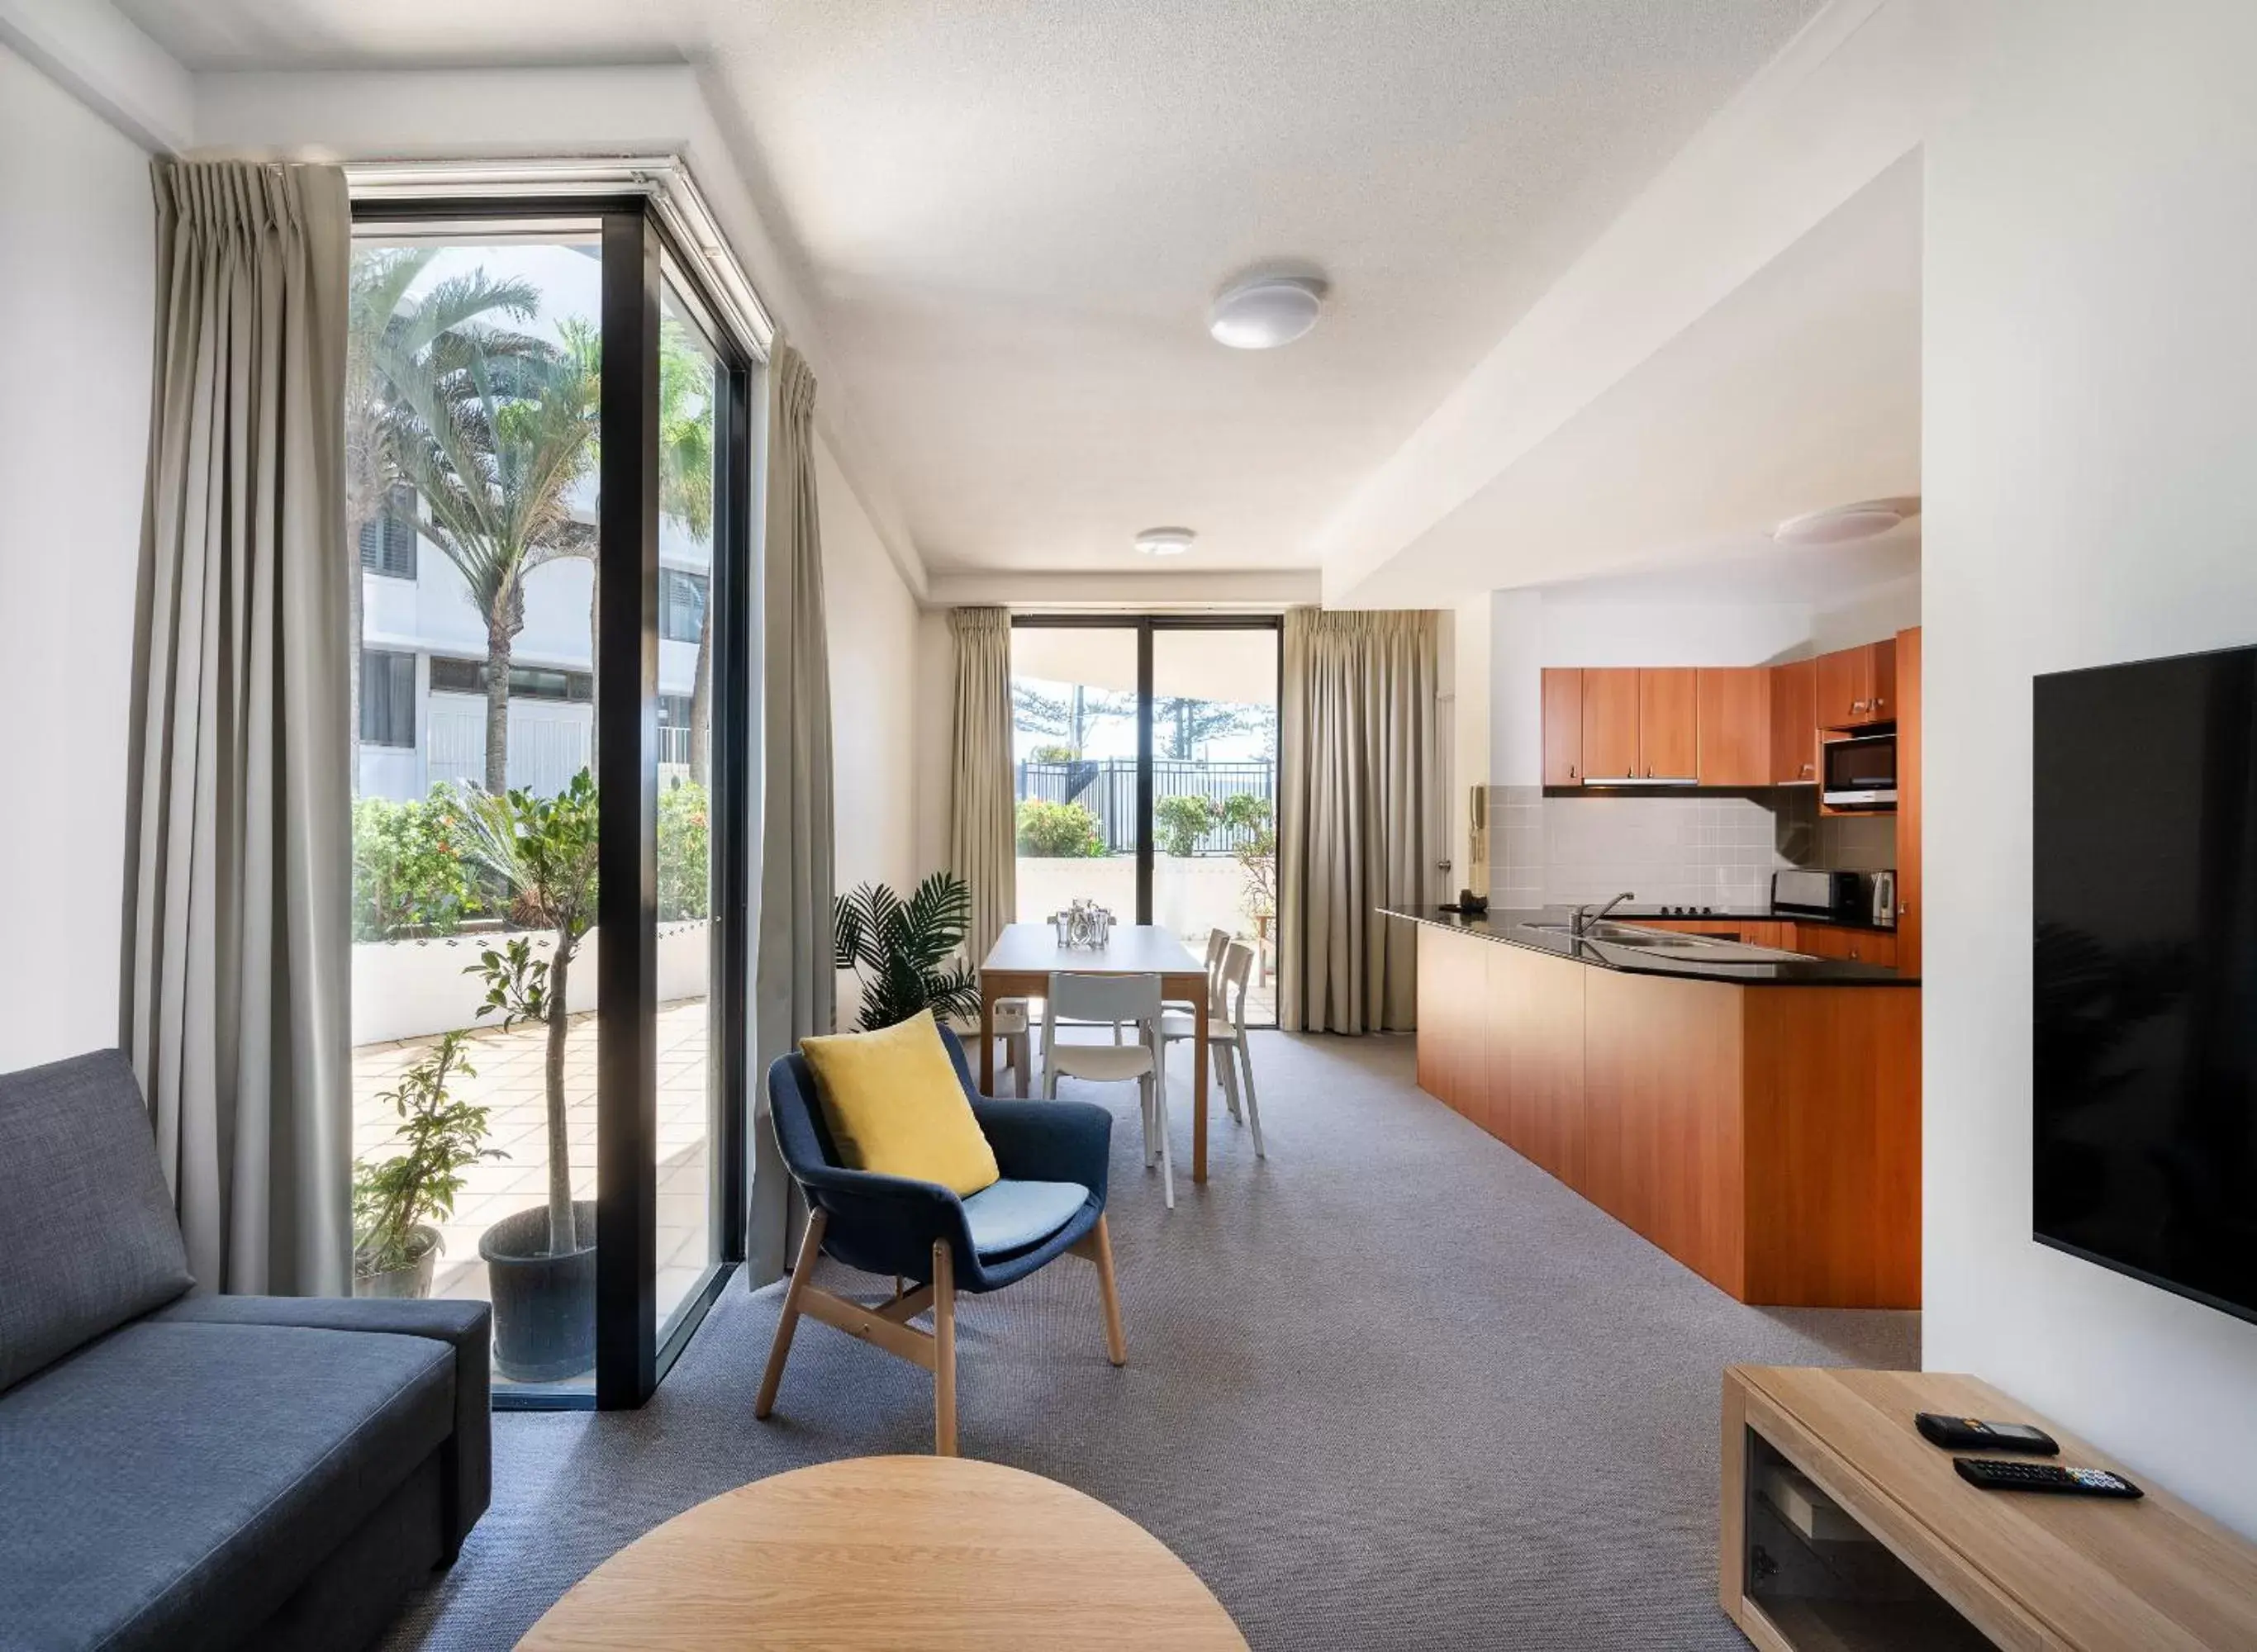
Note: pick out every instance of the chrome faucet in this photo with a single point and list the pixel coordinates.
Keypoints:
(1580, 925)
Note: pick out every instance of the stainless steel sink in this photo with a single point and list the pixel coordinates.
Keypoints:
(1710, 949)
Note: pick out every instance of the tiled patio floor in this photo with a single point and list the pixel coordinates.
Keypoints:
(508, 1083)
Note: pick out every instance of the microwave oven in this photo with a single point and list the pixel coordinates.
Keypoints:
(1860, 772)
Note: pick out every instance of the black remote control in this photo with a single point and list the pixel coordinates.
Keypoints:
(1995, 1476)
(1973, 1434)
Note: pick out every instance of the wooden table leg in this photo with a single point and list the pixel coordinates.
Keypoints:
(1199, 1064)
(986, 1036)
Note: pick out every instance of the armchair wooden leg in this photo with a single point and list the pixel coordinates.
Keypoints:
(943, 1350)
(810, 1248)
(1117, 1346)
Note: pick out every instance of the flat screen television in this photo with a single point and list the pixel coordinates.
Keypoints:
(2145, 1059)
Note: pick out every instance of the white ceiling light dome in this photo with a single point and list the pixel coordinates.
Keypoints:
(1265, 311)
(1165, 541)
(1840, 524)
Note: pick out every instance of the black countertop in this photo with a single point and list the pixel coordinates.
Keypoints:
(1515, 928)
(1743, 915)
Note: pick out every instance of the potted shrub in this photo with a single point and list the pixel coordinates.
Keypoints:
(903, 952)
(540, 1262)
(395, 1246)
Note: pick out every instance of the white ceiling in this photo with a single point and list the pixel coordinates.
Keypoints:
(1801, 389)
(1015, 217)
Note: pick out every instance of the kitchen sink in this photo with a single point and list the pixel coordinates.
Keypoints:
(1708, 948)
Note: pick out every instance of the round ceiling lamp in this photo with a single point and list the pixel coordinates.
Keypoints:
(1840, 524)
(1165, 541)
(1266, 311)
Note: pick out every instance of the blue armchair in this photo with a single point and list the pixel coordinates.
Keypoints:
(1050, 1200)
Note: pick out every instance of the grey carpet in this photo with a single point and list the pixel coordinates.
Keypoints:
(1393, 1386)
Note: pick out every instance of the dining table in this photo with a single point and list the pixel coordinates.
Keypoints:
(1026, 955)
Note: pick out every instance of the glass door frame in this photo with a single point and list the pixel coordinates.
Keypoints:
(639, 257)
(1144, 625)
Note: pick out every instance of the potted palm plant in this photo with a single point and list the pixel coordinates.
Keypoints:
(395, 1246)
(904, 952)
(540, 1262)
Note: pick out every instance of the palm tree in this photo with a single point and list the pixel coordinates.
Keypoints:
(494, 443)
(685, 494)
(389, 342)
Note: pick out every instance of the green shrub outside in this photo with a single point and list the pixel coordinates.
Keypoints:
(684, 836)
(1058, 830)
(1182, 821)
(409, 877)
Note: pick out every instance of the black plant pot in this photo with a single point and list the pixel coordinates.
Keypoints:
(544, 1306)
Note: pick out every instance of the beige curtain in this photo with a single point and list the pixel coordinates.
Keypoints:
(794, 983)
(1362, 823)
(234, 1003)
(983, 817)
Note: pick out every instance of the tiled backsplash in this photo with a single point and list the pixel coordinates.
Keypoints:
(1707, 850)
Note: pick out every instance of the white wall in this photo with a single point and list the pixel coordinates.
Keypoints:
(2091, 441)
(871, 619)
(76, 295)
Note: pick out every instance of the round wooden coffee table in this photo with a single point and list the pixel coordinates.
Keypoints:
(891, 1551)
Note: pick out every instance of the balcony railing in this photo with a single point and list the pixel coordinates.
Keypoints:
(1107, 786)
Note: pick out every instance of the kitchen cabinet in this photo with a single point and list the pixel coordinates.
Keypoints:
(1563, 726)
(1857, 686)
(1668, 722)
(1611, 723)
(1835, 940)
(1732, 721)
(1910, 908)
(1795, 724)
(1767, 1137)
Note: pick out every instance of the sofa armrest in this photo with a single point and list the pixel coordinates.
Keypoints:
(467, 1461)
(1049, 1140)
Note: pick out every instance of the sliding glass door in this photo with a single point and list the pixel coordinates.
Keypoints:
(1146, 764)
(548, 463)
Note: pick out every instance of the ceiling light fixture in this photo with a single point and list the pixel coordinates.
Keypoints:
(1266, 311)
(1165, 541)
(1839, 524)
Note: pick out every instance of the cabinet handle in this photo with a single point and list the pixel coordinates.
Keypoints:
(1571, 771)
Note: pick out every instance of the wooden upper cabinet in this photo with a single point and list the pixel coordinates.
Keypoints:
(1912, 909)
(1857, 686)
(1611, 723)
(1795, 724)
(1668, 723)
(1733, 725)
(1563, 726)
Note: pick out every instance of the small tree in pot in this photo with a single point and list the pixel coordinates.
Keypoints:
(395, 1245)
(541, 1263)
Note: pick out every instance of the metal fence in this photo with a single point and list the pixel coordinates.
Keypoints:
(1108, 788)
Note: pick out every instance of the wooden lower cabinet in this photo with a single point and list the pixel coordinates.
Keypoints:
(1837, 941)
(1767, 1137)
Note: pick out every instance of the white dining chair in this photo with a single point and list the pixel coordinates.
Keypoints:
(1013, 1031)
(1124, 1000)
(1226, 1039)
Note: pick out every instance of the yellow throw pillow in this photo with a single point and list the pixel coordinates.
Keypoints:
(894, 1106)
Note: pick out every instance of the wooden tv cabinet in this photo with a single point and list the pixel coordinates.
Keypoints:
(1842, 1528)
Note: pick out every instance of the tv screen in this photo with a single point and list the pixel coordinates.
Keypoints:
(2146, 1052)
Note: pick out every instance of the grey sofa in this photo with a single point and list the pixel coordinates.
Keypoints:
(181, 1470)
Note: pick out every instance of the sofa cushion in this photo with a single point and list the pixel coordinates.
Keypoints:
(1009, 1216)
(87, 1236)
(172, 1485)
